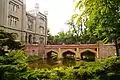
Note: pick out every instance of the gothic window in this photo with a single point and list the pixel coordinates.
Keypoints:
(34, 39)
(30, 38)
(15, 22)
(41, 40)
(26, 38)
(12, 20)
(41, 29)
(13, 6)
(30, 24)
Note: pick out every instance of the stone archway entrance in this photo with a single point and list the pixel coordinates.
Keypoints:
(88, 56)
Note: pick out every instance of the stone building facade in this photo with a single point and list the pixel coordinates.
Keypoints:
(29, 28)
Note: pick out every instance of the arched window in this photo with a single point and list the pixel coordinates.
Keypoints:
(26, 38)
(30, 38)
(34, 39)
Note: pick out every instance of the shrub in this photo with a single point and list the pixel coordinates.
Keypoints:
(12, 65)
(32, 58)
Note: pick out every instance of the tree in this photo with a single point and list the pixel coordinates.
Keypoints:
(76, 29)
(8, 39)
(63, 37)
(104, 19)
(13, 65)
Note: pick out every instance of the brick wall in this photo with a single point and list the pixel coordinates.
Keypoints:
(34, 49)
(106, 50)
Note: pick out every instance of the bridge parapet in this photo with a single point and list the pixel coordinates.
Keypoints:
(73, 46)
(101, 50)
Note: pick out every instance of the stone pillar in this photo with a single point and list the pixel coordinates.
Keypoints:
(59, 53)
(45, 55)
(77, 53)
(97, 55)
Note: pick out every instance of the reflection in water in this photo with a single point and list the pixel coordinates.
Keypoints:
(69, 62)
(50, 63)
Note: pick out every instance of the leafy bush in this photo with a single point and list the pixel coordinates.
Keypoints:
(13, 66)
(32, 58)
(8, 39)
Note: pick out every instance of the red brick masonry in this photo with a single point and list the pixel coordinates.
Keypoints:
(101, 50)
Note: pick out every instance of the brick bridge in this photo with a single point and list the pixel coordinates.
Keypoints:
(99, 50)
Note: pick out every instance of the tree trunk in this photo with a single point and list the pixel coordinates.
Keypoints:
(1, 75)
(116, 45)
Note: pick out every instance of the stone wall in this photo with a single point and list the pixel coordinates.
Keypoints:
(106, 50)
(101, 51)
(35, 49)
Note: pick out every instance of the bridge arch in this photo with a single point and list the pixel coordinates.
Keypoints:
(51, 53)
(88, 50)
(88, 55)
(69, 52)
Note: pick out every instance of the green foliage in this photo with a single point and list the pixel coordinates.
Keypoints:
(32, 58)
(88, 56)
(69, 61)
(68, 37)
(102, 19)
(53, 55)
(8, 39)
(13, 66)
(112, 64)
(75, 35)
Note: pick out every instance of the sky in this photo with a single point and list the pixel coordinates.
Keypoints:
(59, 11)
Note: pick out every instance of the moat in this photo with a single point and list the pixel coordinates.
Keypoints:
(49, 63)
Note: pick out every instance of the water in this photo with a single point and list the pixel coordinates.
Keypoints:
(50, 63)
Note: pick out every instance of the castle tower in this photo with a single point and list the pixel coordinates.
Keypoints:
(36, 8)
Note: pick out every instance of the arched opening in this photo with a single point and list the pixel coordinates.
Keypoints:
(68, 58)
(26, 38)
(88, 56)
(41, 40)
(68, 54)
(30, 38)
(52, 58)
(52, 55)
(34, 40)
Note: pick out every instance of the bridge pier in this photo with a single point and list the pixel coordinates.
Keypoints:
(97, 55)
(77, 54)
(60, 53)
